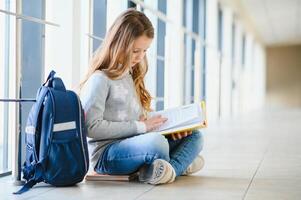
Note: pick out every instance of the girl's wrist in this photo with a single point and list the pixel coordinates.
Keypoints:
(141, 127)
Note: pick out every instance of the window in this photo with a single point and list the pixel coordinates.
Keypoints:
(195, 29)
(233, 58)
(243, 51)
(233, 41)
(7, 81)
(189, 43)
(220, 29)
(220, 50)
(32, 57)
(161, 31)
(195, 22)
(99, 21)
(202, 33)
(23, 53)
(131, 4)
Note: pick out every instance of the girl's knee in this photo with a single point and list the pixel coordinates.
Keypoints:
(157, 145)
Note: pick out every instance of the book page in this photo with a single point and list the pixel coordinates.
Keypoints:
(178, 116)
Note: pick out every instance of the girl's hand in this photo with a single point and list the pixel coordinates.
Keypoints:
(180, 135)
(153, 122)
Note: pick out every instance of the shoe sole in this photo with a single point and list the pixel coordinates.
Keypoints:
(147, 173)
(201, 166)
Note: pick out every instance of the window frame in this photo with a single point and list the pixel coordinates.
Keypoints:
(18, 138)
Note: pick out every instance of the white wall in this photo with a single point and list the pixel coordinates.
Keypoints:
(212, 61)
(85, 41)
(67, 46)
(283, 76)
(174, 51)
(59, 40)
(114, 8)
(226, 84)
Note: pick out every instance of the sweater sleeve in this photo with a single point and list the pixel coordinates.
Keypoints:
(93, 96)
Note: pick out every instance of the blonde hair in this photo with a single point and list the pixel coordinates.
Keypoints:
(113, 57)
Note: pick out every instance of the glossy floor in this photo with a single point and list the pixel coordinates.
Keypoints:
(252, 157)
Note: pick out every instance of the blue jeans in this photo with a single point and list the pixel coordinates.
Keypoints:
(128, 155)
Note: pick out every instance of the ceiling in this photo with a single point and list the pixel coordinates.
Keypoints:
(278, 22)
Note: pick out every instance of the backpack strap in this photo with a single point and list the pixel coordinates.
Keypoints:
(50, 76)
(35, 117)
(38, 177)
(34, 173)
(57, 84)
(26, 187)
(54, 82)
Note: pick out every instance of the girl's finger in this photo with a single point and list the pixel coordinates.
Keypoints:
(142, 118)
(179, 136)
(159, 120)
(173, 136)
(158, 124)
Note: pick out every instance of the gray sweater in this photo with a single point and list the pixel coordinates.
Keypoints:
(112, 112)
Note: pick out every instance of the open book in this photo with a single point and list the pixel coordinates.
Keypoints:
(183, 118)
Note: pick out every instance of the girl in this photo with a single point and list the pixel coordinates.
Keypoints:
(115, 102)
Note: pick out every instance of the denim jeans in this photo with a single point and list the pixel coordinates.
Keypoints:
(128, 155)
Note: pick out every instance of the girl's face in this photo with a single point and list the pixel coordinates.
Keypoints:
(141, 44)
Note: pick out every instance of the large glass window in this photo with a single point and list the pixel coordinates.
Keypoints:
(188, 22)
(131, 4)
(32, 57)
(243, 51)
(233, 58)
(202, 33)
(161, 32)
(220, 50)
(220, 29)
(195, 22)
(7, 81)
(22, 49)
(99, 22)
(233, 34)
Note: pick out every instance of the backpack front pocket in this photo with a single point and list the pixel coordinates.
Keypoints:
(65, 165)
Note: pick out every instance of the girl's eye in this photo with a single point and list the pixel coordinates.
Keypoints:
(137, 51)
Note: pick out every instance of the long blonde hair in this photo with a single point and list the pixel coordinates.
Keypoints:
(113, 57)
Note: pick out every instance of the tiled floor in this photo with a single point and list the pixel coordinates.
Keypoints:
(252, 158)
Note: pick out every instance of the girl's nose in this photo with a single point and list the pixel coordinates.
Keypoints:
(140, 57)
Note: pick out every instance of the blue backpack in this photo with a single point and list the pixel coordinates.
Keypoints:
(56, 145)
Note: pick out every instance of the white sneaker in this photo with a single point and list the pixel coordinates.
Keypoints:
(195, 166)
(159, 172)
